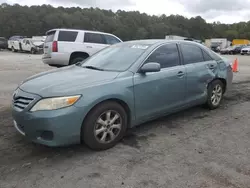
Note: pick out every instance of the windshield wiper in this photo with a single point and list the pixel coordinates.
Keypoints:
(94, 68)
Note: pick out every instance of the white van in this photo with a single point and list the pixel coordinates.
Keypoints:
(67, 46)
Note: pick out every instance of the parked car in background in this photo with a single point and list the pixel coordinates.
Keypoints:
(232, 49)
(124, 85)
(66, 46)
(215, 47)
(11, 42)
(3, 43)
(245, 50)
(236, 49)
(226, 50)
(28, 45)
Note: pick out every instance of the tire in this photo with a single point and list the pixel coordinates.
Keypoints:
(215, 91)
(33, 51)
(89, 134)
(76, 60)
(13, 49)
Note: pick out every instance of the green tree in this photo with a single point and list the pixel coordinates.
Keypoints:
(36, 20)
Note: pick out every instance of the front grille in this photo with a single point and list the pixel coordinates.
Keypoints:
(244, 51)
(21, 102)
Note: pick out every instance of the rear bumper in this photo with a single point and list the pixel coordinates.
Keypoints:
(56, 59)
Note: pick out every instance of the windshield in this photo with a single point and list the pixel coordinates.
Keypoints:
(115, 58)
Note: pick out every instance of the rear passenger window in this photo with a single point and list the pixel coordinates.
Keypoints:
(191, 53)
(111, 40)
(67, 36)
(166, 55)
(206, 56)
(94, 38)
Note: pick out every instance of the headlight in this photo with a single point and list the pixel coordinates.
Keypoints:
(55, 103)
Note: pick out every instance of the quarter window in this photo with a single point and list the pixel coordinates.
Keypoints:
(206, 56)
(191, 54)
(67, 36)
(94, 38)
(166, 55)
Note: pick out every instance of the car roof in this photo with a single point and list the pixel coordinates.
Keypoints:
(77, 30)
(152, 42)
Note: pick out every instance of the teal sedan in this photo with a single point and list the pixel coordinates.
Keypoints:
(124, 85)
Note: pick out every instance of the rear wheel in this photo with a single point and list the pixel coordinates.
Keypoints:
(105, 126)
(215, 94)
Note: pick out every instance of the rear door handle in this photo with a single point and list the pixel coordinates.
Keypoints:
(180, 74)
(89, 46)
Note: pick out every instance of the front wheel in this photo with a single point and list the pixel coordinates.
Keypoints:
(104, 126)
(33, 51)
(13, 49)
(215, 94)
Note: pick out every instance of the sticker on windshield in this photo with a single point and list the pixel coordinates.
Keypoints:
(144, 47)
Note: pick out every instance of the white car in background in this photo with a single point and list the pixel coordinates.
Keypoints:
(28, 45)
(68, 46)
(245, 50)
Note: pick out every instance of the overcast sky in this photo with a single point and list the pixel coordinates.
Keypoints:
(226, 11)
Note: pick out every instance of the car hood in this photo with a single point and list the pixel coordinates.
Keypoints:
(38, 43)
(65, 81)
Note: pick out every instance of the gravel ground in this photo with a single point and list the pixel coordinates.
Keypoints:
(194, 148)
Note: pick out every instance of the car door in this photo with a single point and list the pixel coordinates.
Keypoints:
(28, 46)
(94, 42)
(160, 92)
(200, 70)
(24, 45)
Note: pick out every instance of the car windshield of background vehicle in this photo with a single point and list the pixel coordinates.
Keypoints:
(116, 58)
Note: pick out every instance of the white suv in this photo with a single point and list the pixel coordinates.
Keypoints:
(66, 46)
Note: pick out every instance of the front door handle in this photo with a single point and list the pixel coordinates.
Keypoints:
(180, 74)
(211, 66)
(89, 47)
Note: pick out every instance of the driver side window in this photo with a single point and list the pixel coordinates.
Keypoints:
(166, 55)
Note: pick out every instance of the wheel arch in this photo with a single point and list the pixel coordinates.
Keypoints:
(117, 100)
(223, 80)
(78, 54)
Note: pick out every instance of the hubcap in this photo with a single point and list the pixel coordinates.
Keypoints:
(216, 95)
(108, 126)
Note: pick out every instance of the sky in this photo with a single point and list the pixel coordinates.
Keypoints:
(225, 11)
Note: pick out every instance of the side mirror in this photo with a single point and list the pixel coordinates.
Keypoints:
(150, 67)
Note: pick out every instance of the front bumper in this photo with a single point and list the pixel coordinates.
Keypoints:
(52, 128)
(245, 52)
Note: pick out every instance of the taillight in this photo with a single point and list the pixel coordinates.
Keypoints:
(54, 47)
